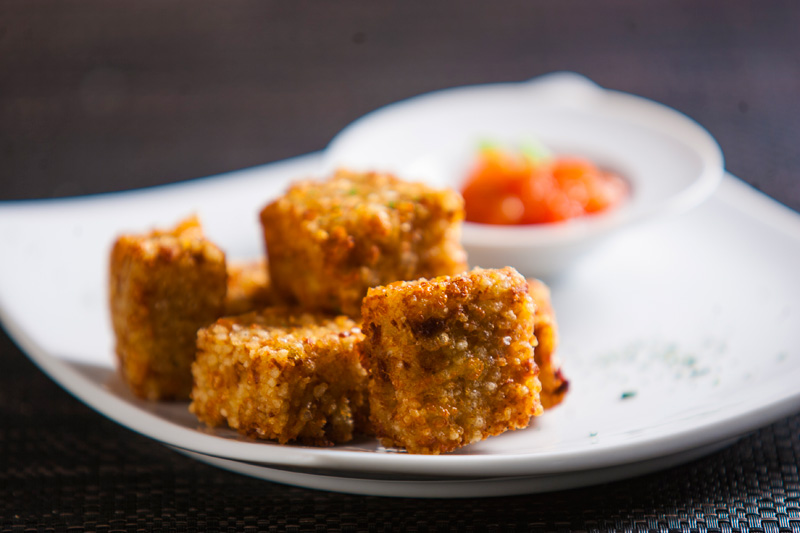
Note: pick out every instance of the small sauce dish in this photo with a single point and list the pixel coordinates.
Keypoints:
(669, 161)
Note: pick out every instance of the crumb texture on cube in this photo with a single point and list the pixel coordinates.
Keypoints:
(163, 287)
(282, 374)
(554, 385)
(329, 241)
(249, 288)
(451, 359)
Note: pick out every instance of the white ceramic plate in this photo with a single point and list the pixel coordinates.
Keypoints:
(677, 336)
(670, 161)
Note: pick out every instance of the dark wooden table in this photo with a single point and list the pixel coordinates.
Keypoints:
(98, 96)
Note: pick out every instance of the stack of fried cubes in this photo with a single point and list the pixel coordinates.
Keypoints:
(363, 320)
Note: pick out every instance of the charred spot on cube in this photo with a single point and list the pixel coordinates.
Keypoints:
(428, 327)
(381, 372)
(374, 331)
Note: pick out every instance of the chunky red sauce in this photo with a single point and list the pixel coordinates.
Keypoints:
(509, 188)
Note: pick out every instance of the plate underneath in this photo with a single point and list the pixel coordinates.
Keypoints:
(450, 488)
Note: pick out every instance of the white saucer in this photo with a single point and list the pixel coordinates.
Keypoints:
(670, 162)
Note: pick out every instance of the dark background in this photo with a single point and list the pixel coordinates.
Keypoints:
(98, 96)
(105, 96)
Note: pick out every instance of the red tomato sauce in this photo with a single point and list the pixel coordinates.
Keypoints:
(515, 189)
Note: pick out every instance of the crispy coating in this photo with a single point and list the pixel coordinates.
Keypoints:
(283, 375)
(450, 359)
(163, 287)
(554, 384)
(328, 242)
(248, 287)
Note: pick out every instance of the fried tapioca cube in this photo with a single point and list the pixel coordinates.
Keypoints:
(450, 359)
(164, 286)
(329, 241)
(554, 384)
(249, 288)
(281, 374)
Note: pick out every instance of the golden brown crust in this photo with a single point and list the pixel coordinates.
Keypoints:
(249, 288)
(450, 359)
(163, 286)
(554, 384)
(328, 242)
(281, 374)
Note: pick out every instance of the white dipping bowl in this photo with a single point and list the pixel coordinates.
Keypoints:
(670, 162)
